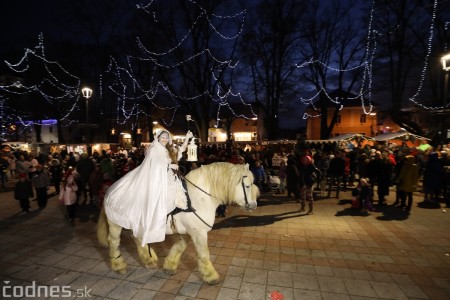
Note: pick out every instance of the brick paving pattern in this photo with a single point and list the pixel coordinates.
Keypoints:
(276, 251)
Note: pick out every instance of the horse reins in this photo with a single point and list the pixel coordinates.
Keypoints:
(196, 186)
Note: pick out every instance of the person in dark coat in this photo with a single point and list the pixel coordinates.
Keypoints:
(384, 179)
(379, 171)
(23, 191)
(56, 173)
(292, 178)
(85, 167)
(3, 171)
(336, 172)
(309, 174)
(95, 184)
(433, 177)
(41, 183)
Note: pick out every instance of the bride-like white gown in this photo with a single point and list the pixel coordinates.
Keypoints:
(141, 199)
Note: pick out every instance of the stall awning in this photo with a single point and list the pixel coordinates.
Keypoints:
(351, 137)
(402, 135)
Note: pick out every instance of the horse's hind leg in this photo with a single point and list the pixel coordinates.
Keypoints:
(209, 274)
(118, 264)
(173, 258)
(148, 259)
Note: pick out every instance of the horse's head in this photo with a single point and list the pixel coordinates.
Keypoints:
(246, 193)
(226, 183)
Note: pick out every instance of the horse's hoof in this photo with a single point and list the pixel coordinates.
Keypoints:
(213, 282)
(150, 266)
(121, 272)
(170, 272)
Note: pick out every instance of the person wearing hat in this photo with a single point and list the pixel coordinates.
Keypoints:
(41, 182)
(23, 191)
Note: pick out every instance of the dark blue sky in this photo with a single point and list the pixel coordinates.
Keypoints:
(21, 21)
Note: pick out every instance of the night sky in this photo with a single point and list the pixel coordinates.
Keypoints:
(22, 21)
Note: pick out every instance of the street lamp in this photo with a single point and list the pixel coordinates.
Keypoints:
(87, 93)
(373, 114)
(445, 60)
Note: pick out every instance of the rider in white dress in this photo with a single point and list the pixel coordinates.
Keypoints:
(141, 199)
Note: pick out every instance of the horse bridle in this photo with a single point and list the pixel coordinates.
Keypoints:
(247, 205)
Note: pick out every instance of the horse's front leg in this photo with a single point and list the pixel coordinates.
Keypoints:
(173, 258)
(118, 263)
(206, 268)
(146, 254)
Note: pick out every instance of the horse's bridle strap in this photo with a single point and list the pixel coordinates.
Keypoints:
(195, 213)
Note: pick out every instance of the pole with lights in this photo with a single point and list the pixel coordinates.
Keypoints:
(372, 115)
(87, 93)
(445, 60)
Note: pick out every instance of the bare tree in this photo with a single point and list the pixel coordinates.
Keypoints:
(189, 48)
(403, 34)
(270, 48)
(334, 50)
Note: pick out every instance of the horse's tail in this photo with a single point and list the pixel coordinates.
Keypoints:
(102, 229)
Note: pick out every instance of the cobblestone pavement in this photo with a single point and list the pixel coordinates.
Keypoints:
(272, 253)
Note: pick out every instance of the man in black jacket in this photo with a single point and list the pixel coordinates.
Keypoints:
(335, 173)
(85, 167)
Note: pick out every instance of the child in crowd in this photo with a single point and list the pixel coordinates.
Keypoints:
(68, 194)
(23, 191)
(259, 175)
(364, 194)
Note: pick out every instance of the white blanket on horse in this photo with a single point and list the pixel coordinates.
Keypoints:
(141, 200)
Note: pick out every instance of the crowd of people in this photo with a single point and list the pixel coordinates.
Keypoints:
(370, 172)
(79, 179)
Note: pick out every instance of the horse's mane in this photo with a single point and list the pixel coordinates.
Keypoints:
(221, 178)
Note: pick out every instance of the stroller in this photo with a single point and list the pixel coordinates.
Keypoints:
(273, 181)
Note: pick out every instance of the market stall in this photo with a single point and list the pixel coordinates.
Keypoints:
(402, 137)
(351, 140)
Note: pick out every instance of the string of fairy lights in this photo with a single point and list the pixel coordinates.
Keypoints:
(366, 82)
(129, 91)
(365, 92)
(62, 95)
(413, 99)
(62, 89)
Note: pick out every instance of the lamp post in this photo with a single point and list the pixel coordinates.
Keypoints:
(445, 60)
(372, 115)
(87, 93)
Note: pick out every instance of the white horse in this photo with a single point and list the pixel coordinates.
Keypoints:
(208, 187)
